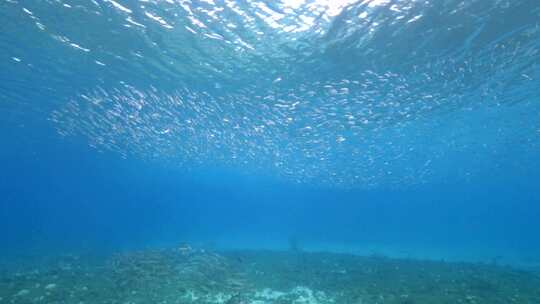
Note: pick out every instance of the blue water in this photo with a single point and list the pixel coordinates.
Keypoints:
(403, 128)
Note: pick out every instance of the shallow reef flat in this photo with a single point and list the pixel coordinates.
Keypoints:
(185, 275)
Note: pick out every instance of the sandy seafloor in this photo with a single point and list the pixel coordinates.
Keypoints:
(187, 275)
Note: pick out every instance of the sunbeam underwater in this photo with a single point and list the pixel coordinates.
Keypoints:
(345, 93)
(269, 151)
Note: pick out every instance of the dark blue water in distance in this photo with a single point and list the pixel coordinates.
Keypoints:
(402, 128)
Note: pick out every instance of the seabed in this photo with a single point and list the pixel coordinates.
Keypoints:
(185, 275)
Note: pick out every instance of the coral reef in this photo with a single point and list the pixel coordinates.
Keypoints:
(194, 276)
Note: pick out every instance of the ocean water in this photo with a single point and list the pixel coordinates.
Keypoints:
(395, 130)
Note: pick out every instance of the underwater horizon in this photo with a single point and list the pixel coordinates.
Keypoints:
(150, 143)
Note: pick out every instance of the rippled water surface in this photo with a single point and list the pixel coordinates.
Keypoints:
(353, 94)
